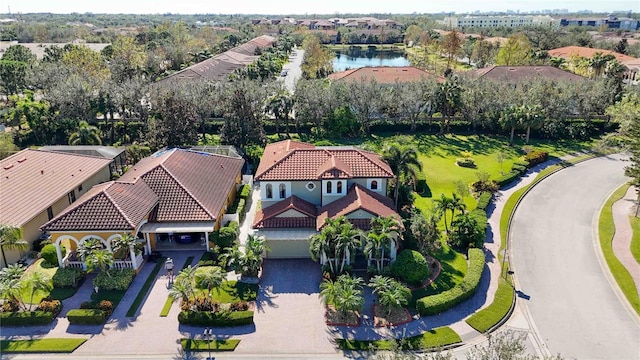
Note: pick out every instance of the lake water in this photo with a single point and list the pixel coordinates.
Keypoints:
(356, 59)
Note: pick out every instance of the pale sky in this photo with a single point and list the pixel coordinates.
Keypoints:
(300, 7)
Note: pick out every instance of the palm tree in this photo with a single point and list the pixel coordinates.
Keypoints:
(329, 291)
(379, 283)
(597, 63)
(210, 277)
(324, 244)
(348, 240)
(349, 297)
(11, 238)
(457, 204)
(280, 105)
(87, 247)
(100, 258)
(85, 135)
(12, 272)
(443, 205)
(404, 163)
(391, 294)
(247, 261)
(125, 243)
(510, 118)
(557, 61)
(532, 117)
(11, 291)
(37, 281)
(375, 245)
(182, 288)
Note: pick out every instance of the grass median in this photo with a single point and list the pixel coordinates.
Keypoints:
(145, 289)
(206, 345)
(432, 339)
(606, 230)
(490, 316)
(169, 302)
(54, 345)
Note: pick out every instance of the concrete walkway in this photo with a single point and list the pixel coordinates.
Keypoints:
(621, 242)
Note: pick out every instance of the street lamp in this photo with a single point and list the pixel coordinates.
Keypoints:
(208, 333)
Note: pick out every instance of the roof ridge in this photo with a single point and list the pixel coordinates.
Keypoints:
(366, 154)
(185, 189)
(115, 204)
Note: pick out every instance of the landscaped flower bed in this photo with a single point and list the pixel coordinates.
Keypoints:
(397, 316)
(335, 318)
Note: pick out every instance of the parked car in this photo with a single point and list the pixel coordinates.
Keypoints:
(284, 73)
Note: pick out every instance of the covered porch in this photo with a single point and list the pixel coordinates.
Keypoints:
(177, 235)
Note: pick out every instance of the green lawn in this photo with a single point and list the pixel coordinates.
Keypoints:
(454, 267)
(488, 317)
(115, 296)
(55, 293)
(431, 339)
(204, 345)
(40, 345)
(233, 291)
(635, 240)
(606, 229)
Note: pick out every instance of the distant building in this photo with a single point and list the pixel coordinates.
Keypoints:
(384, 74)
(488, 21)
(610, 22)
(518, 74)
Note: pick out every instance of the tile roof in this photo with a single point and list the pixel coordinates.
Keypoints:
(520, 73)
(357, 198)
(32, 180)
(290, 160)
(192, 186)
(568, 51)
(268, 217)
(384, 74)
(108, 206)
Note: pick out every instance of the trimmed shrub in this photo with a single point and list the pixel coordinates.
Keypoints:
(507, 178)
(52, 306)
(435, 304)
(227, 235)
(480, 186)
(411, 267)
(115, 280)
(86, 316)
(466, 162)
(521, 169)
(106, 306)
(68, 277)
(480, 216)
(26, 318)
(240, 211)
(484, 200)
(50, 255)
(245, 191)
(227, 319)
(536, 157)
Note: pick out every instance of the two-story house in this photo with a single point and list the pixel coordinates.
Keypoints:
(302, 184)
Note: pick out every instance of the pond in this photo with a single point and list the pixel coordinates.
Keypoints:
(355, 58)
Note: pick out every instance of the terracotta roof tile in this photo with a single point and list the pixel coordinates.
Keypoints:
(384, 74)
(290, 160)
(32, 180)
(109, 206)
(268, 217)
(192, 186)
(357, 198)
(520, 73)
(568, 51)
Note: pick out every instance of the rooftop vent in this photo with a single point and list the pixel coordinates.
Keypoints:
(8, 167)
(22, 160)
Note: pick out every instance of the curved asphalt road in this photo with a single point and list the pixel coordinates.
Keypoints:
(555, 257)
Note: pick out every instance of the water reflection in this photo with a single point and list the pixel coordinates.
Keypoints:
(355, 58)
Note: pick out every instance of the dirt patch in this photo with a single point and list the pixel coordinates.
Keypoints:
(334, 318)
(396, 317)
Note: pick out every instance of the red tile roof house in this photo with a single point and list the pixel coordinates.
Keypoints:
(384, 74)
(169, 195)
(301, 185)
(36, 185)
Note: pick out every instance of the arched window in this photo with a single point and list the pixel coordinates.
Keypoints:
(283, 191)
(269, 191)
(329, 185)
(374, 185)
(339, 187)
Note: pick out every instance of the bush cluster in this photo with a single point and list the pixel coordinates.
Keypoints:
(435, 304)
(26, 318)
(86, 316)
(226, 235)
(519, 167)
(484, 200)
(466, 162)
(241, 209)
(536, 157)
(507, 178)
(52, 306)
(68, 277)
(115, 279)
(200, 303)
(411, 267)
(245, 191)
(207, 259)
(50, 255)
(481, 186)
(227, 319)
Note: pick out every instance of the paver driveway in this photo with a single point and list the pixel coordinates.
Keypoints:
(289, 314)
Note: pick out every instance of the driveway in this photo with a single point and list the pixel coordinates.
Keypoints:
(557, 263)
(294, 72)
(289, 315)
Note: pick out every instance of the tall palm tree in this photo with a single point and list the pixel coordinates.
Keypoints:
(11, 238)
(532, 117)
(325, 244)
(510, 118)
(348, 240)
(404, 162)
(210, 277)
(280, 106)
(37, 281)
(375, 245)
(85, 135)
(457, 204)
(124, 243)
(87, 247)
(597, 63)
(443, 205)
(12, 272)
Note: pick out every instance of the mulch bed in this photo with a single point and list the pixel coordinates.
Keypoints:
(396, 317)
(333, 318)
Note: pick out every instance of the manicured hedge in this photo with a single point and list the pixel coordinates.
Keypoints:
(519, 168)
(483, 200)
(205, 318)
(480, 216)
(507, 178)
(245, 191)
(27, 318)
(213, 345)
(490, 316)
(68, 277)
(435, 304)
(115, 280)
(536, 157)
(226, 235)
(241, 211)
(432, 339)
(411, 267)
(50, 254)
(86, 316)
(466, 162)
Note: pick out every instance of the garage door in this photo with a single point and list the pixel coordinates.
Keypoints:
(288, 249)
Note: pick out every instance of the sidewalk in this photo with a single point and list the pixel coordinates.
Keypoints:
(621, 242)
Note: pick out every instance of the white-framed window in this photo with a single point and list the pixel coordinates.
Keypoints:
(310, 186)
(374, 184)
(334, 187)
(329, 187)
(269, 191)
(282, 190)
(339, 187)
